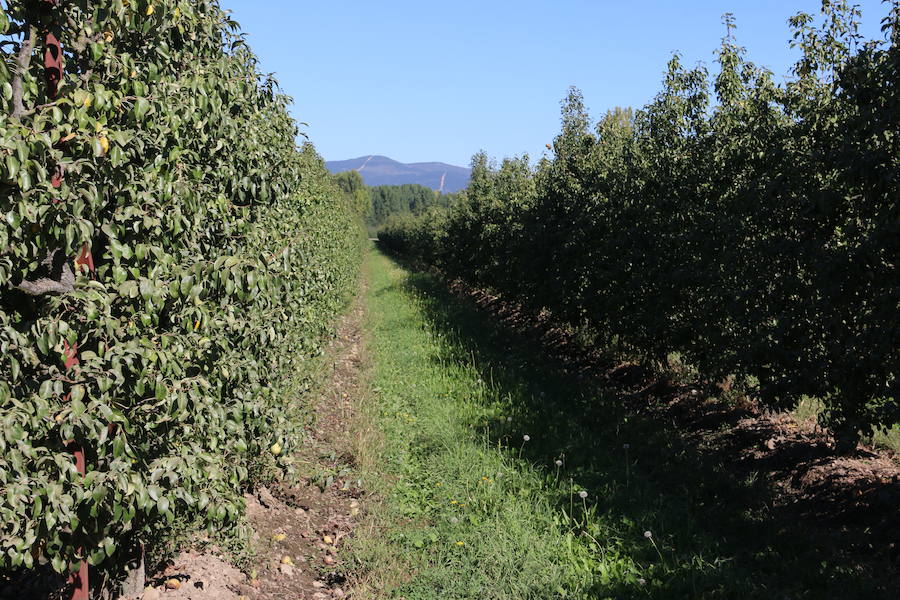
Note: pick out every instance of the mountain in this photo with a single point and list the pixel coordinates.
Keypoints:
(381, 170)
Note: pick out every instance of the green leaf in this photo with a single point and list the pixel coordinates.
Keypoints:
(78, 408)
(46, 389)
(141, 108)
(12, 167)
(24, 180)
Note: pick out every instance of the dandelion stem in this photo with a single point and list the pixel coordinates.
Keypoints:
(627, 469)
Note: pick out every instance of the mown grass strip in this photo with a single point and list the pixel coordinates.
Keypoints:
(472, 509)
(461, 518)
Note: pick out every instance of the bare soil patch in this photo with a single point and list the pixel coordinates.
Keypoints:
(298, 529)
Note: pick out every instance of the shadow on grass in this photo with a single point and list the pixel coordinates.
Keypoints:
(721, 527)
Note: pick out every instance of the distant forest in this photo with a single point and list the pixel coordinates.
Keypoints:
(386, 201)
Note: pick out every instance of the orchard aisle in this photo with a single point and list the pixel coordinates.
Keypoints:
(460, 518)
(500, 473)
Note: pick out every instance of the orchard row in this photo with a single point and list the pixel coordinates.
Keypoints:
(751, 227)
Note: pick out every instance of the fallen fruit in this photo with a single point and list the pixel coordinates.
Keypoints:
(279, 537)
(173, 584)
(327, 539)
(287, 560)
(275, 449)
(328, 560)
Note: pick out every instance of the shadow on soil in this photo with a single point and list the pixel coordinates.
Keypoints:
(721, 501)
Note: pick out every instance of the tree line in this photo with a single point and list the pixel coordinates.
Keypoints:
(387, 202)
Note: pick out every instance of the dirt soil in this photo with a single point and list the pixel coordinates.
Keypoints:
(853, 497)
(298, 530)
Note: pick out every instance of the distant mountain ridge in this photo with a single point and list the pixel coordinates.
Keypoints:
(381, 170)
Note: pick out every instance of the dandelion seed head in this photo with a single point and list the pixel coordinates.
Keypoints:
(526, 437)
(642, 581)
(558, 462)
(582, 494)
(648, 535)
(509, 419)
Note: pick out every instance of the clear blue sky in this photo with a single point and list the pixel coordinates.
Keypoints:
(419, 80)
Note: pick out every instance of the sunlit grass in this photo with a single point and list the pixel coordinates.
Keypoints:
(809, 409)
(461, 518)
(500, 477)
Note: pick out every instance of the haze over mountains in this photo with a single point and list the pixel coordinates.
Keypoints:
(381, 170)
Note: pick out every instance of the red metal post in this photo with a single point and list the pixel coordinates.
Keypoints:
(79, 581)
(53, 72)
(85, 259)
(52, 64)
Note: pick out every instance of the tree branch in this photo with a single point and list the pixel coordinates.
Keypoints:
(53, 276)
(23, 62)
(38, 108)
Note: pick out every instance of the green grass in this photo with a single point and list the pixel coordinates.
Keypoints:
(888, 438)
(809, 409)
(461, 519)
(469, 509)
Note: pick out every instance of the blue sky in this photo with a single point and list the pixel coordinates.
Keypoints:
(421, 80)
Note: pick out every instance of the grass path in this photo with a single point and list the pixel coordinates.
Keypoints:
(500, 477)
(461, 519)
